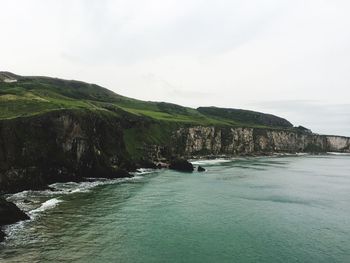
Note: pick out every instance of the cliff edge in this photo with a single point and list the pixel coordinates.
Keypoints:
(54, 130)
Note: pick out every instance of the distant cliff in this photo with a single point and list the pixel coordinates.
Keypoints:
(200, 140)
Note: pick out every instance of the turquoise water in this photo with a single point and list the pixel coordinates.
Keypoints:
(272, 209)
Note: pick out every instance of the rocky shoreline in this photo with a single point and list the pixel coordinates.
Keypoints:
(67, 145)
(9, 214)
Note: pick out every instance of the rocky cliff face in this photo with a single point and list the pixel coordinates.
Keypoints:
(200, 140)
(59, 146)
(70, 145)
(338, 143)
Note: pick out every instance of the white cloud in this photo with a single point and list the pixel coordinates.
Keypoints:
(223, 53)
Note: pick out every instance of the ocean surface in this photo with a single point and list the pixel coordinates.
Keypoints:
(266, 209)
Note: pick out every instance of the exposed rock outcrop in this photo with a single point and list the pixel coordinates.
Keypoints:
(181, 165)
(9, 214)
(2, 236)
(200, 169)
(8, 77)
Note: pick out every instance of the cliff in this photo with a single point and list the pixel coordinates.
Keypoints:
(200, 140)
(69, 145)
(60, 146)
(54, 130)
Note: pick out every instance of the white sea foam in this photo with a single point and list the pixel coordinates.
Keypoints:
(219, 161)
(32, 203)
(17, 196)
(51, 203)
(81, 187)
(336, 153)
(10, 230)
(142, 171)
(211, 162)
(302, 154)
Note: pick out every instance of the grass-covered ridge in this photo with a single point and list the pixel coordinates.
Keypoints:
(26, 96)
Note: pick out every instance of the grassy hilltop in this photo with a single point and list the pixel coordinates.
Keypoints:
(54, 130)
(28, 96)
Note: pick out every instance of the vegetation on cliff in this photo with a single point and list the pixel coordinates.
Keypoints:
(246, 117)
(27, 96)
(23, 97)
(55, 130)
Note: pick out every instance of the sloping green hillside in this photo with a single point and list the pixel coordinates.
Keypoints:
(27, 96)
(246, 116)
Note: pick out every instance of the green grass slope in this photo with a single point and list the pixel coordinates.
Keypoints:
(26, 96)
(246, 116)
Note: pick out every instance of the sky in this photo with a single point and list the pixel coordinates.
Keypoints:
(288, 58)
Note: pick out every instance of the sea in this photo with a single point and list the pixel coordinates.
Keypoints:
(285, 208)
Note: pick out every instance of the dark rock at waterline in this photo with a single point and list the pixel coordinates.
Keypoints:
(2, 236)
(118, 173)
(161, 165)
(146, 164)
(10, 213)
(181, 165)
(112, 173)
(200, 169)
(51, 189)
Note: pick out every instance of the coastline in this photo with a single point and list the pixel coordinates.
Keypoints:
(35, 202)
(22, 199)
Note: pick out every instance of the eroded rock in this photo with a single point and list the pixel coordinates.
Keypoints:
(9, 214)
(200, 169)
(2, 236)
(181, 165)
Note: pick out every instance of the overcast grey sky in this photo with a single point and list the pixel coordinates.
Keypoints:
(286, 57)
